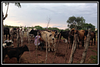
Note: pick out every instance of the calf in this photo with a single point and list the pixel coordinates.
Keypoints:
(14, 52)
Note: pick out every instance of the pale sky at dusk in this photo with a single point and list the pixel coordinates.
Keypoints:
(32, 14)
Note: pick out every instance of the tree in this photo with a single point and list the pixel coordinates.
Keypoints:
(86, 26)
(75, 20)
(38, 27)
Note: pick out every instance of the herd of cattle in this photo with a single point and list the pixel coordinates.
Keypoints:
(49, 36)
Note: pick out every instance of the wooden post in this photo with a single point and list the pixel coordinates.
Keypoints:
(28, 35)
(66, 49)
(18, 38)
(56, 48)
(22, 38)
(46, 50)
(37, 48)
(28, 39)
(73, 49)
(86, 47)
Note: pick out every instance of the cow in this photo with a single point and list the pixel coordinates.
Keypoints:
(68, 37)
(34, 32)
(93, 36)
(6, 32)
(13, 32)
(49, 39)
(54, 32)
(82, 34)
(8, 43)
(14, 52)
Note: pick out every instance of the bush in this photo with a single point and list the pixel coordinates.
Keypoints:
(94, 59)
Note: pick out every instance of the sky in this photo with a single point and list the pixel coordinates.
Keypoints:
(32, 14)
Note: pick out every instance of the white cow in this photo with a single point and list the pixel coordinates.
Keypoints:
(49, 39)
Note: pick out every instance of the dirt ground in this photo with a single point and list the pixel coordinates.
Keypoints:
(30, 57)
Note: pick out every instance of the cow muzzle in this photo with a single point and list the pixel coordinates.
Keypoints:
(52, 38)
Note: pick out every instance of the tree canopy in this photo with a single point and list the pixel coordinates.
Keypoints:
(80, 23)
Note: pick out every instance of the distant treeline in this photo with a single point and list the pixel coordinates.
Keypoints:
(39, 28)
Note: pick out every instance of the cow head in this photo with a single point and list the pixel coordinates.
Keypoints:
(9, 43)
(51, 37)
(73, 31)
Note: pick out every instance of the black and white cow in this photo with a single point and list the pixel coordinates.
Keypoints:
(8, 43)
(34, 32)
(67, 36)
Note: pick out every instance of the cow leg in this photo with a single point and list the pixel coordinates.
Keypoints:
(48, 46)
(41, 45)
(83, 43)
(21, 40)
(91, 42)
(54, 47)
(9, 36)
(18, 59)
(6, 36)
(12, 37)
(78, 45)
(94, 41)
(70, 45)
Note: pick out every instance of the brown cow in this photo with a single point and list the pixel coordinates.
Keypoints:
(93, 36)
(81, 35)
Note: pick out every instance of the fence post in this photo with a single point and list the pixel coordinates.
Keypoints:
(22, 34)
(66, 49)
(86, 47)
(37, 48)
(73, 47)
(46, 49)
(18, 37)
(56, 48)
